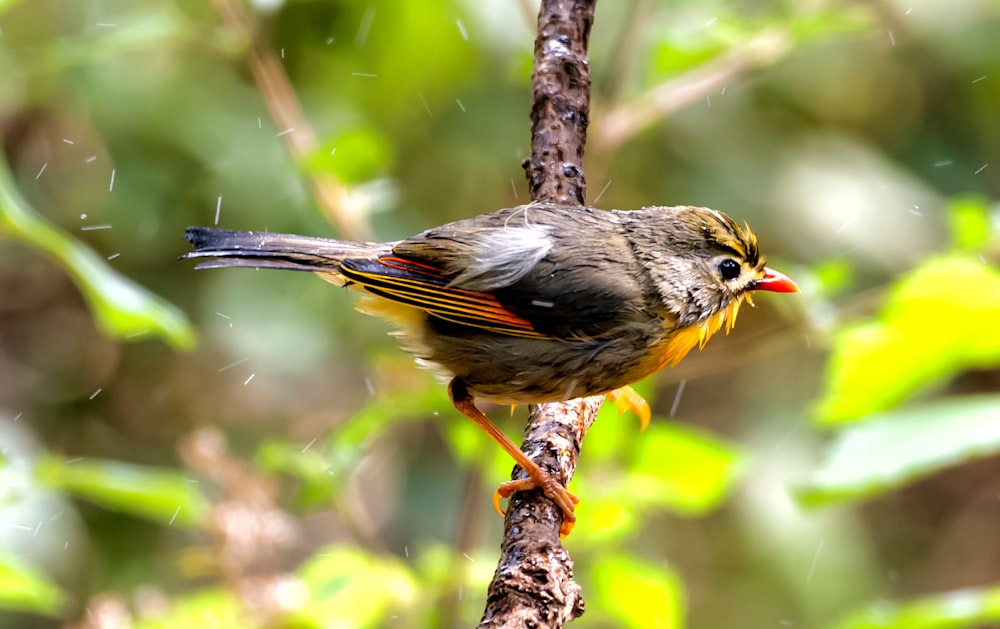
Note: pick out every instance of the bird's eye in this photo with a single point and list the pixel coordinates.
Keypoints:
(729, 269)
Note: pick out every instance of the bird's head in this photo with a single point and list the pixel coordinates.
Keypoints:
(703, 265)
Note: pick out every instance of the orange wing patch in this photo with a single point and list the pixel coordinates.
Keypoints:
(427, 288)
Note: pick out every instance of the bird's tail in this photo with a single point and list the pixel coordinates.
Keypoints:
(275, 251)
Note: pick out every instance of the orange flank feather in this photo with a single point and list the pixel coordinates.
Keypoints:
(683, 340)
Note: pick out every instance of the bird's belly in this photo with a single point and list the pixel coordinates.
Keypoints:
(516, 370)
(513, 370)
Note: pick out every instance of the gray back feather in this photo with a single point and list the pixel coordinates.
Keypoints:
(500, 257)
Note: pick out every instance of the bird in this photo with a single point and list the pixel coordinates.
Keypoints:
(536, 303)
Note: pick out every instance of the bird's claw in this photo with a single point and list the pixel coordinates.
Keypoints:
(552, 488)
(628, 400)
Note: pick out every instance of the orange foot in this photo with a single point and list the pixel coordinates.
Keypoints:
(628, 400)
(552, 488)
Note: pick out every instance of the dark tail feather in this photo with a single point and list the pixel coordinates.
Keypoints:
(265, 250)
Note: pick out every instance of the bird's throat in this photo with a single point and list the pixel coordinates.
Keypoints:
(683, 340)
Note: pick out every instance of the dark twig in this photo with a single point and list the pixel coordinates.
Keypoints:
(533, 585)
(560, 102)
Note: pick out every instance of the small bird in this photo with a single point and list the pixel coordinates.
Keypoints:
(536, 303)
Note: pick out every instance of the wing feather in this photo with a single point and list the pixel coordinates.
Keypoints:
(554, 272)
(425, 287)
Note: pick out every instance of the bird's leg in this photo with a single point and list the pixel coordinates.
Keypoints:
(537, 477)
(628, 400)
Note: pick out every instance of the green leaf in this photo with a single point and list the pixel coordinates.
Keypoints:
(7, 4)
(321, 474)
(123, 309)
(969, 221)
(812, 26)
(681, 469)
(348, 587)
(618, 426)
(940, 320)
(23, 589)
(353, 156)
(206, 609)
(417, 395)
(639, 594)
(898, 448)
(833, 276)
(672, 55)
(970, 608)
(159, 494)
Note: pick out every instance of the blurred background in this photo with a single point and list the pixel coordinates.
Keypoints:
(237, 448)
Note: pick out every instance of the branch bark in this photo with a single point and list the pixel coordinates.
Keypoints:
(533, 585)
(560, 102)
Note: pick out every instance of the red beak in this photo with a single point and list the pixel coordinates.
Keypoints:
(776, 282)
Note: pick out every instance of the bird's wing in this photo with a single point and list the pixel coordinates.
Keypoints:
(580, 293)
(541, 270)
(430, 289)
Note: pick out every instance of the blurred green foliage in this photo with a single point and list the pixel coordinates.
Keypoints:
(890, 450)
(297, 471)
(362, 155)
(962, 608)
(930, 334)
(23, 588)
(162, 495)
(121, 308)
(636, 594)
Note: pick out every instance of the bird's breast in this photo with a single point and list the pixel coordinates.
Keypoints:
(679, 341)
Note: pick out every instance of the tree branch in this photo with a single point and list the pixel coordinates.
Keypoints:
(533, 585)
(560, 102)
